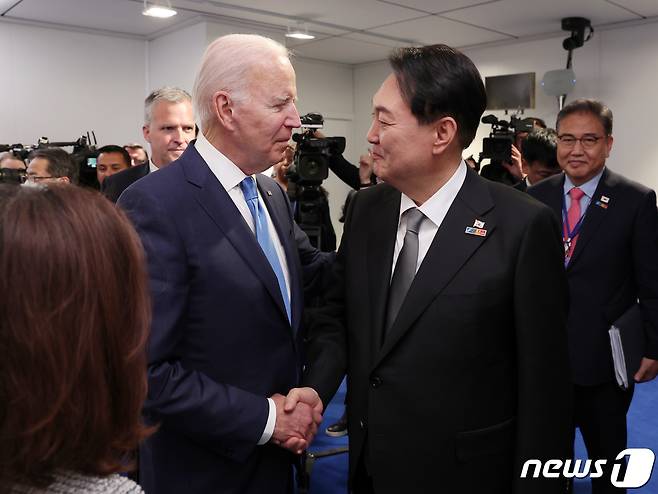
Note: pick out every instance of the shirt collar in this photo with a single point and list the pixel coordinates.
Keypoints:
(227, 172)
(435, 207)
(588, 187)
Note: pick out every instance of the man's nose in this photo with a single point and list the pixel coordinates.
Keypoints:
(373, 134)
(293, 120)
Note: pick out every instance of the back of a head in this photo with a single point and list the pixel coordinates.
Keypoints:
(60, 163)
(541, 146)
(438, 81)
(73, 327)
(226, 66)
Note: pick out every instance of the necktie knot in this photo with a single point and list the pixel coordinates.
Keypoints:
(414, 218)
(576, 194)
(248, 186)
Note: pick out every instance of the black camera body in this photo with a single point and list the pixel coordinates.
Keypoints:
(498, 146)
(310, 165)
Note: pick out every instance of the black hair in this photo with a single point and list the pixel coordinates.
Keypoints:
(541, 146)
(438, 81)
(595, 107)
(60, 163)
(112, 148)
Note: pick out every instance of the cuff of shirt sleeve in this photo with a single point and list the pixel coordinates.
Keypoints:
(271, 422)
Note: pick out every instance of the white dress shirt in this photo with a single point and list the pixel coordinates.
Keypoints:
(230, 176)
(434, 209)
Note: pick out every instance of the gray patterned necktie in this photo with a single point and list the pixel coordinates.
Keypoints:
(405, 268)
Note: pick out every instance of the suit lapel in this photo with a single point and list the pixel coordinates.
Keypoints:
(594, 216)
(212, 197)
(449, 251)
(554, 201)
(280, 215)
(380, 246)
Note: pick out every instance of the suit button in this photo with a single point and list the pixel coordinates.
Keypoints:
(376, 381)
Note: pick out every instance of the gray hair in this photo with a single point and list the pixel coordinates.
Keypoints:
(167, 93)
(225, 66)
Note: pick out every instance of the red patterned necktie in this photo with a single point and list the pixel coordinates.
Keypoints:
(573, 216)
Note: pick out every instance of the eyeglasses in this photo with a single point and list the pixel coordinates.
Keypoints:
(34, 178)
(587, 142)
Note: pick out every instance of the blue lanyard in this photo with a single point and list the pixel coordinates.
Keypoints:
(568, 234)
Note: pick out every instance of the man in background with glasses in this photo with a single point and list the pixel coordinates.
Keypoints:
(610, 237)
(51, 165)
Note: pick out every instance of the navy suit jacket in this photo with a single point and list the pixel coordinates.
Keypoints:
(114, 185)
(220, 341)
(613, 265)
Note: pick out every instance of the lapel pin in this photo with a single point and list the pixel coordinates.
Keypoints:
(269, 192)
(605, 199)
(478, 224)
(480, 232)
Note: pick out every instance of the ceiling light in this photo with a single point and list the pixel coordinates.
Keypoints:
(300, 32)
(162, 11)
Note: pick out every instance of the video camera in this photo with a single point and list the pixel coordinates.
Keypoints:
(498, 146)
(84, 155)
(310, 165)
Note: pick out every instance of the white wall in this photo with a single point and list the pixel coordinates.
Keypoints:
(60, 84)
(617, 66)
(173, 58)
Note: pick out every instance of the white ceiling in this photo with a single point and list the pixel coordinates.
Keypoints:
(347, 31)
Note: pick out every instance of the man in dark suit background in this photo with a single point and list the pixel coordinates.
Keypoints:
(538, 157)
(168, 128)
(610, 233)
(226, 263)
(449, 307)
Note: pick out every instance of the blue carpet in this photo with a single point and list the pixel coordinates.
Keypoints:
(329, 475)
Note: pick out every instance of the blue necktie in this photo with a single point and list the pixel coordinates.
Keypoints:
(248, 186)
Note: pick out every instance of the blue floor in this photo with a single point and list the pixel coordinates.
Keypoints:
(329, 475)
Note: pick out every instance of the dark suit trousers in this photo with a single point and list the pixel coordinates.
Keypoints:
(600, 413)
(362, 483)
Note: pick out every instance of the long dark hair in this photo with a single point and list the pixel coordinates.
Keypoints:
(74, 321)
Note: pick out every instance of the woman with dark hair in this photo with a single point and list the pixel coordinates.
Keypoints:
(74, 322)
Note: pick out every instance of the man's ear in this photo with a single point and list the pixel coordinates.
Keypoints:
(445, 132)
(64, 180)
(146, 132)
(524, 166)
(223, 109)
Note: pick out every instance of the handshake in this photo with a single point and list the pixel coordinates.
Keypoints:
(298, 416)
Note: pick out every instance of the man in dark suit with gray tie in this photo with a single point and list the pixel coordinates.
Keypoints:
(226, 263)
(610, 234)
(449, 306)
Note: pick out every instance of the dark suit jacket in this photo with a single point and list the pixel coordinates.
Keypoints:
(615, 263)
(472, 378)
(114, 185)
(522, 186)
(220, 339)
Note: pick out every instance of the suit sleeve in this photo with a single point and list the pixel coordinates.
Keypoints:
(544, 420)
(326, 348)
(645, 265)
(224, 418)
